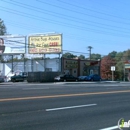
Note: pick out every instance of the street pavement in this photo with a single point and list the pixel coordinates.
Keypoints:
(57, 106)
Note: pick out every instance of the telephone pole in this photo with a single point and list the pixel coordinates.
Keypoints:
(90, 47)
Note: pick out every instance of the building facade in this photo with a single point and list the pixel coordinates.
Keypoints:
(77, 67)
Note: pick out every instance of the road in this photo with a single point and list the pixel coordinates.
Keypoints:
(63, 106)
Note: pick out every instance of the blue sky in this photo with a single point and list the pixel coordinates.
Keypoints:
(102, 24)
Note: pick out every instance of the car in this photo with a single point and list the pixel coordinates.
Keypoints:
(65, 77)
(2, 79)
(82, 78)
(19, 77)
(93, 77)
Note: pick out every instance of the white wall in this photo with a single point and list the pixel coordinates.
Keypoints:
(35, 65)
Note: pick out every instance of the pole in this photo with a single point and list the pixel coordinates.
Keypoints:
(32, 64)
(59, 64)
(112, 75)
(124, 72)
(24, 61)
(89, 47)
(12, 65)
(44, 62)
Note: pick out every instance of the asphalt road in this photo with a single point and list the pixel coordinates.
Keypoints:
(63, 106)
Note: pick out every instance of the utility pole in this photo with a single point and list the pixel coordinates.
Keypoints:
(90, 47)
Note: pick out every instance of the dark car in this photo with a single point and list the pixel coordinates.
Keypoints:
(93, 77)
(19, 77)
(65, 77)
(2, 79)
(82, 78)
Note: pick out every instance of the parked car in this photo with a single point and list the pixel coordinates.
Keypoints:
(19, 77)
(93, 77)
(82, 78)
(2, 79)
(65, 77)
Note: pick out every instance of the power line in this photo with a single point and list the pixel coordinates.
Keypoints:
(55, 14)
(67, 9)
(59, 23)
(74, 5)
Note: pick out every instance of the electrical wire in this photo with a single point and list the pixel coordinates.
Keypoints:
(62, 24)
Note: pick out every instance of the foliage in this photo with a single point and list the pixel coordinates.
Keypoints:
(2, 32)
(82, 57)
(69, 55)
(95, 56)
(112, 54)
(126, 55)
(106, 64)
(2, 27)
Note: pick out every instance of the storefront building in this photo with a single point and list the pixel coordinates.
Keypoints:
(77, 67)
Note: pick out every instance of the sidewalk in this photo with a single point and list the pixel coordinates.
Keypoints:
(84, 82)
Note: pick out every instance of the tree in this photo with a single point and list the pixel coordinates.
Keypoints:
(2, 27)
(119, 70)
(95, 56)
(112, 54)
(106, 64)
(126, 55)
(119, 65)
(69, 55)
(118, 56)
(82, 57)
(2, 32)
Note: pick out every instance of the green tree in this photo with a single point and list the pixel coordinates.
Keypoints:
(95, 56)
(69, 55)
(119, 65)
(2, 27)
(126, 55)
(112, 54)
(2, 32)
(119, 70)
(82, 57)
(119, 56)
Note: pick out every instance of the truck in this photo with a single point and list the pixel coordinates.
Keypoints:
(21, 76)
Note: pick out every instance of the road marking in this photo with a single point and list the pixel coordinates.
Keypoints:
(34, 88)
(63, 95)
(110, 128)
(70, 107)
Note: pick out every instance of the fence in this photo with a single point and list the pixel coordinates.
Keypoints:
(42, 76)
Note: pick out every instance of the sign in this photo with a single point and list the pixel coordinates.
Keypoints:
(122, 124)
(127, 66)
(112, 68)
(45, 44)
(12, 44)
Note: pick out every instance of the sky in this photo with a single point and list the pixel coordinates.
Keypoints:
(102, 24)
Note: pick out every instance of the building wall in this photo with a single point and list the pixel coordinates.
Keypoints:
(53, 65)
(78, 67)
(89, 67)
(70, 66)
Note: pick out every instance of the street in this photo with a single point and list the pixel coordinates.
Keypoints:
(57, 106)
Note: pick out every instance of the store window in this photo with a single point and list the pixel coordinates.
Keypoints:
(74, 71)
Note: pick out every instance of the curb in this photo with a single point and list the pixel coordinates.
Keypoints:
(103, 82)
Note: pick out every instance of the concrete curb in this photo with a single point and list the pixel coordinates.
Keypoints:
(63, 83)
(102, 82)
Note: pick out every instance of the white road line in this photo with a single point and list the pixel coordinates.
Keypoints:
(110, 128)
(34, 88)
(70, 107)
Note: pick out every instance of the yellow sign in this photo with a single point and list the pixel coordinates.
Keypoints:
(44, 44)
